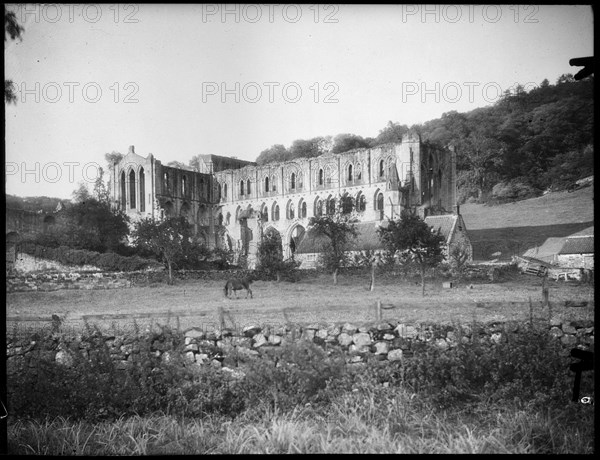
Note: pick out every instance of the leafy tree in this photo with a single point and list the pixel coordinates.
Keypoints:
(458, 255)
(345, 142)
(371, 260)
(81, 194)
(568, 167)
(101, 191)
(270, 258)
(518, 138)
(339, 229)
(273, 154)
(410, 234)
(15, 31)
(194, 163)
(482, 155)
(168, 238)
(565, 78)
(92, 224)
(310, 148)
(112, 158)
(393, 132)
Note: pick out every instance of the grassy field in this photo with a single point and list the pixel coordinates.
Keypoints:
(551, 209)
(513, 228)
(197, 303)
(373, 420)
(367, 412)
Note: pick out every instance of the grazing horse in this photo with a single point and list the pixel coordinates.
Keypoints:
(236, 284)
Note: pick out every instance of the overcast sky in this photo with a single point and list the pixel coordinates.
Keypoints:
(182, 80)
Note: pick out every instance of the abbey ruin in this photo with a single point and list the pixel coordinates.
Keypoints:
(232, 203)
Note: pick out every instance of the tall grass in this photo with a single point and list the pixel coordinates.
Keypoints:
(355, 424)
(480, 397)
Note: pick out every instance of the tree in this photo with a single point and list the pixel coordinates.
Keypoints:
(112, 158)
(370, 260)
(81, 194)
(411, 235)
(565, 78)
(194, 163)
(345, 142)
(13, 30)
(273, 154)
(92, 224)
(339, 229)
(310, 148)
(459, 255)
(270, 258)
(100, 191)
(168, 238)
(393, 132)
(481, 155)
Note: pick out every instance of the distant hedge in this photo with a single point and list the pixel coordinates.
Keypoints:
(108, 261)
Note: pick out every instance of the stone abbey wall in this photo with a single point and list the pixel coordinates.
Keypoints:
(381, 181)
(230, 208)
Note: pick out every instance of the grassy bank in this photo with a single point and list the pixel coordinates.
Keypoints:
(369, 421)
(510, 397)
(512, 228)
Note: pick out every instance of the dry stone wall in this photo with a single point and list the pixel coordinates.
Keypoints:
(224, 348)
(107, 280)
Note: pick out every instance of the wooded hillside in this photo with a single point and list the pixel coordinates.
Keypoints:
(525, 143)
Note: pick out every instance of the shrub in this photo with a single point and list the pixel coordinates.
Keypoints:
(147, 384)
(530, 365)
(292, 376)
(513, 191)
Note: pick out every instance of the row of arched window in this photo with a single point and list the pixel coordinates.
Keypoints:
(170, 185)
(321, 207)
(323, 178)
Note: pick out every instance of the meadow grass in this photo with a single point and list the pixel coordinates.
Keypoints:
(373, 420)
(302, 400)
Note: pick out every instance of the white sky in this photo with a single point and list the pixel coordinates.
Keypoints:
(165, 78)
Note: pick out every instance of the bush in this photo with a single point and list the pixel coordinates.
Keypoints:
(529, 365)
(568, 167)
(513, 191)
(86, 389)
(291, 376)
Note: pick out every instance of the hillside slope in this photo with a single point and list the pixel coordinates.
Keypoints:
(515, 227)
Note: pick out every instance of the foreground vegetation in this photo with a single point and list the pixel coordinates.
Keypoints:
(512, 397)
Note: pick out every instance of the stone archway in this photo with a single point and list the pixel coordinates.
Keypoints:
(169, 209)
(294, 237)
(271, 241)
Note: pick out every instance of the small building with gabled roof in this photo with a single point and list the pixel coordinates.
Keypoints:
(573, 251)
(577, 250)
(452, 227)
